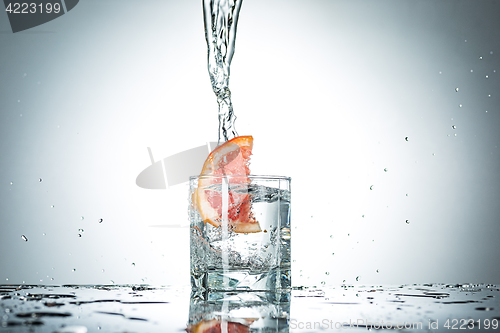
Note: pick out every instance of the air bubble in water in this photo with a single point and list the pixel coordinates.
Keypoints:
(24, 238)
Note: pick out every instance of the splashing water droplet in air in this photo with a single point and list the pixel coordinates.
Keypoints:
(24, 238)
(221, 20)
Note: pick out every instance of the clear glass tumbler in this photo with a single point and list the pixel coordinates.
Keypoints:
(240, 233)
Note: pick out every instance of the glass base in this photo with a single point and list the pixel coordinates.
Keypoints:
(242, 280)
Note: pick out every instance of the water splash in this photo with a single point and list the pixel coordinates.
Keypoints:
(221, 19)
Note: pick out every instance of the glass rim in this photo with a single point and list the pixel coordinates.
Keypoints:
(264, 177)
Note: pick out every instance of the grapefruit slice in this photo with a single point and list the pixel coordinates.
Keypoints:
(215, 326)
(229, 159)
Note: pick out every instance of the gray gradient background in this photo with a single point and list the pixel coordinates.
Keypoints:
(328, 89)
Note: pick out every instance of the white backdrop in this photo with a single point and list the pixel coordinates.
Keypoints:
(394, 172)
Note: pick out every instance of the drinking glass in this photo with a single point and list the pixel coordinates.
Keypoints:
(240, 233)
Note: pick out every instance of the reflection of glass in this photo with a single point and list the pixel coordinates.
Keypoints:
(240, 312)
(240, 233)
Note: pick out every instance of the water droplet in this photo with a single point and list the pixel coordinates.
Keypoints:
(100, 220)
(486, 76)
(323, 282)
(385, 169)
(454, 127)
(357, 278)
(406, 194)
(486, 111)
(19, 101)
(327, 273)
(480, 58)
(456, 89)
(11, 183)
(460, 105)
(83, 217)
(440, 72)
(466, 40)
(371, 188)
(331, 236)
(491, 52)
(362, 216)
(343, 281)
(406, 139)
(348, 234)
(112, 282)
(51, 279)
(489, 95)
(52, 206)
(24, 238)
(433, 154)
(407, 221)
(455, 134)
(39, 180)
(102, 270)
(377, 270)
(73, 270)
(133, 264)
(81, 230)
(333, 254)
(44, 234)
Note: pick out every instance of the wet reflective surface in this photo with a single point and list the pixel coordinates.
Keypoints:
(411, 308)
